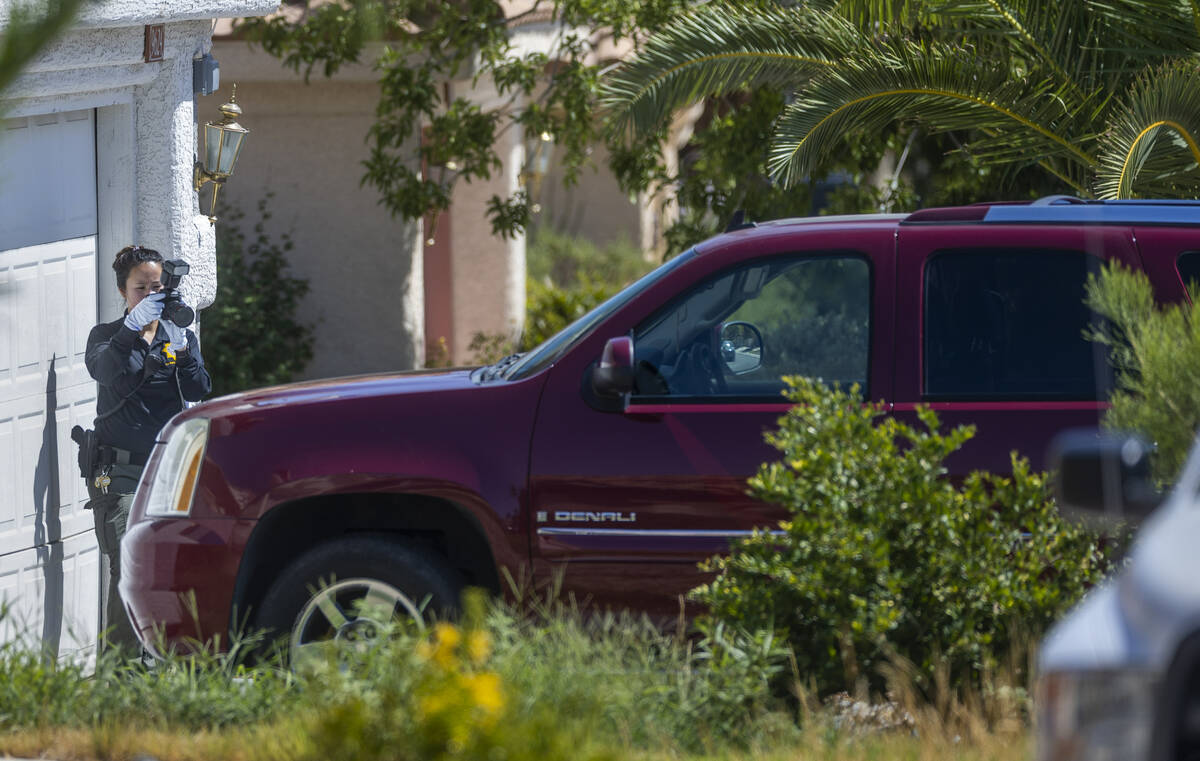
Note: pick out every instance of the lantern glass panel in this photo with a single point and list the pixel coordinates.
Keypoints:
(231, 143)
(212, 147)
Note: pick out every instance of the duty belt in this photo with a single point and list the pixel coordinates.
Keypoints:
(117, 456)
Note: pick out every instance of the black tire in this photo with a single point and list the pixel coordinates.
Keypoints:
(418, 574)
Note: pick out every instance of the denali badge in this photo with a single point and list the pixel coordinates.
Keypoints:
(590, 517)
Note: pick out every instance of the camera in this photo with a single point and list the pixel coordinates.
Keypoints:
(174, 309)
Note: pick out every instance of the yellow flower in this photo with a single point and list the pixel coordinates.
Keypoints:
(487, 692)
(479, 647)
(447, 635)
(446, 638)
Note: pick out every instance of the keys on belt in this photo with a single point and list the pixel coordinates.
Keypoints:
(103, 480)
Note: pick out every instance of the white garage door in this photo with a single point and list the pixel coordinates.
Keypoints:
(49, 564)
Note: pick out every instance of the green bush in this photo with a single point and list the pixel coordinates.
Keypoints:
(250, 334)
(549, 309)
(883, 556)
(569, 262)
(1156, 353)
(568, 277)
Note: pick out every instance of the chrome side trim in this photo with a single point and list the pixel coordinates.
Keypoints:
(684, 533)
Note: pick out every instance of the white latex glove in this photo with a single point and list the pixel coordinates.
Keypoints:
(146, 312)
(176, 335)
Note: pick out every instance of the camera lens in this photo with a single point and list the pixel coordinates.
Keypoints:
(177, 312)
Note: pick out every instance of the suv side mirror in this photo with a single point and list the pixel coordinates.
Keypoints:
(741, 347)
(1103, 475)
(613, 376)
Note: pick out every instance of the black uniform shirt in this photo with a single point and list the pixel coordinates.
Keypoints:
(119, 358)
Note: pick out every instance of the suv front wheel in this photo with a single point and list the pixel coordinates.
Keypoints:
(349, 591)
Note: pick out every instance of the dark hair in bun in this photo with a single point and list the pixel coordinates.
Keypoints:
(130, 257)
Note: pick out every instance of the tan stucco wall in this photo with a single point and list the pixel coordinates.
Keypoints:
(594, 209)
(306, 145)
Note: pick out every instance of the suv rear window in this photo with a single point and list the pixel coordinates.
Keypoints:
(1009, 324)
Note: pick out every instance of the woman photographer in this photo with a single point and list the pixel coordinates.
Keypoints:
(146, 367)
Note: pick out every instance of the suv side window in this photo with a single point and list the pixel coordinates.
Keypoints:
(737, 334)
(1188, 264)
(1009, 324)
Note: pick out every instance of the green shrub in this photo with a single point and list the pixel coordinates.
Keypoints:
(250, 334)
(549, 309)
(569, 262)
(568, 277)
(884, 556)
(1156, 353)
(485, 348)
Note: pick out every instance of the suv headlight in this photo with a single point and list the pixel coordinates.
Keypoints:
(174, 482)
(1095, 715)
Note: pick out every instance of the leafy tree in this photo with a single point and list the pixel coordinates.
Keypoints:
(1097, 94)
(30, 27)
(250, 334)
(555, 93)
(431, 42)
(883, 556)
(1156, 352)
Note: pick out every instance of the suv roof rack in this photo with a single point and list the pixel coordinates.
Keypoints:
(738, 221)
(1069, 209)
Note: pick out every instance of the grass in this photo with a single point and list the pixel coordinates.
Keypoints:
(262, 743)
(544, 683)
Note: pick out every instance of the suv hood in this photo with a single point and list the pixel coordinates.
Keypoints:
(329, 389)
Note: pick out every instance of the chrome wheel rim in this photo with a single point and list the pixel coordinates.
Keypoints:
(351, 616)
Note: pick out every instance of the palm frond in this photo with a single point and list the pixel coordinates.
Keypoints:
(1039, 34)
(1153, 143)
(1148, 30)
(1091, 43)
(868, 14)
(719, 49)
(944, 87)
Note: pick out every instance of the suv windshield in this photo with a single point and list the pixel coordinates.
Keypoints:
(555, 346)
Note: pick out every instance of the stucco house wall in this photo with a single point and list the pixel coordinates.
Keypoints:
(100, 148)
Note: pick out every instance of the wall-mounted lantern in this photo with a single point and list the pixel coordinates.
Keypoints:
(222, 144)
(537, 162)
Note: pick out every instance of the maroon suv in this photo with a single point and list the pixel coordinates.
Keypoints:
(616, 453)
